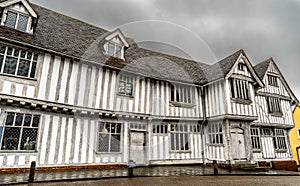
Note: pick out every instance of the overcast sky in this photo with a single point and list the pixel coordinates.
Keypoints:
(205, 30)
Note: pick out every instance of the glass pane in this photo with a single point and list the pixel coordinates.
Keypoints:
(19, 120)
(11, 138)
(23, 54)
(111, 49)
(118, 51)
(35, 121)
(11, 19)
(115, 143)
(16, 53)
(103, 142)
(10, 65)
(33, 68)
(22, 23)
(10, 119)
(27, 120)
(122, 87)
(28, 140)
(9, 51)
(2, 49)
(129, 89)
(35, 57)
(23, 69)
(29, 55)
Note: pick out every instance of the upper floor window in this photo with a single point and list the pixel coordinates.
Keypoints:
(17, 21)
(114, 49)
(109, 137)
(239, 89)
(125, 85)
(20, 131)
(241, 66)
(17, 62)
(273, 80)
(181, 93)
(274, 105)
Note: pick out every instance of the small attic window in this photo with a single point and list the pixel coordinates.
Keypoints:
(241, 66)
(114, 49)
(16, 21)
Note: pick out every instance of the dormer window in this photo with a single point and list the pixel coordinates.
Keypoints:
(19, 15)
(114, 49)
(115, 44)
(16, 21)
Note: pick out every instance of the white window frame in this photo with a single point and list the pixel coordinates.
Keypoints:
(255, 138)
(4, 19)
(19, 58)
(215, 133)
(104, 133)
(274, 105)
(121, 56)
(280, 142)
(180, 137)
(31, 145)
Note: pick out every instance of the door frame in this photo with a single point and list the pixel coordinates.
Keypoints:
(144, 146)
(238, 130)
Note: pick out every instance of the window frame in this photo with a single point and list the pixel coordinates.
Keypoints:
(215, 134)
(181, 95)
(241, 66)
(114, 54)
(21, 128)
(180, 137)
(5, 14)
(33, 61)
(272, 80)
(274, 106)
(128, 81)
(280, 143)
(240, 90)
(255, 139)
(109, 133)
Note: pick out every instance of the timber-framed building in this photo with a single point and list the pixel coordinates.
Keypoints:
(73, 94)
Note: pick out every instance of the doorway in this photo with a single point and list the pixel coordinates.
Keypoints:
(138, 147)
(238, 144)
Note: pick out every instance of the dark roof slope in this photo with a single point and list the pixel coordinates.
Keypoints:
(262, 68)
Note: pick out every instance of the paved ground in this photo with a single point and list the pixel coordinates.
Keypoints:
(186, 180)
(161, 171)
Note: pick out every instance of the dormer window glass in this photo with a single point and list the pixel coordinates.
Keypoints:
(272, 80)
(114, 50)
(16, 21)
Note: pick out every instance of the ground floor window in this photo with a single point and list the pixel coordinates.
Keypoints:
(180, 137)
(20, 131)
(109, 137)
(255, 138)
(280, 140)
(215, 133)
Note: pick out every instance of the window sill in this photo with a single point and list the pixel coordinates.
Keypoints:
(18, 151)
(180, 151)
(108, 153)
(281, 150)
(276, 114)
(215, 145)
(124, 95)
(256, 150)
(241, 101)
(18, 77)
(181, 104)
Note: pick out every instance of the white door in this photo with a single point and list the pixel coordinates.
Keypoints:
(238, 144)
(137, 147)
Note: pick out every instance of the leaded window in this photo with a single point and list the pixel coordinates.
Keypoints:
(274, 105)
(239, 89)
(280, 140)
(125, 85)
(160, 128)
(180, 136)
(215, 133)
(16, 21)
(17, 62)
(255, 138)
(20, 131)
(181, 93)
(109, 137)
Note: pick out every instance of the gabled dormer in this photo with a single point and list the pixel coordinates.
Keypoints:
(19, 15)
(114, 44)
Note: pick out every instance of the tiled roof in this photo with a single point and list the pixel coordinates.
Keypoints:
(71, 37)
(262, 68)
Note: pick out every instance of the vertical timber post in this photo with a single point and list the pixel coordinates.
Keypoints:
(31, 173)
(215, 165)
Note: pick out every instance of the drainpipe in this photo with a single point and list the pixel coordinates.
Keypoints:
(202, 124)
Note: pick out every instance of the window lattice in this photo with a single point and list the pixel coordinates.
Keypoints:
(180, 136)
(181, 93)
(17, 62)
(239, 89)
(125, 85)
(109, 137)
(215, 133)
(17, 21)
(20, 131)
(255, 138)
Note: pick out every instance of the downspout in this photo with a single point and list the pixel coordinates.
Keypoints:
(202, 125)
